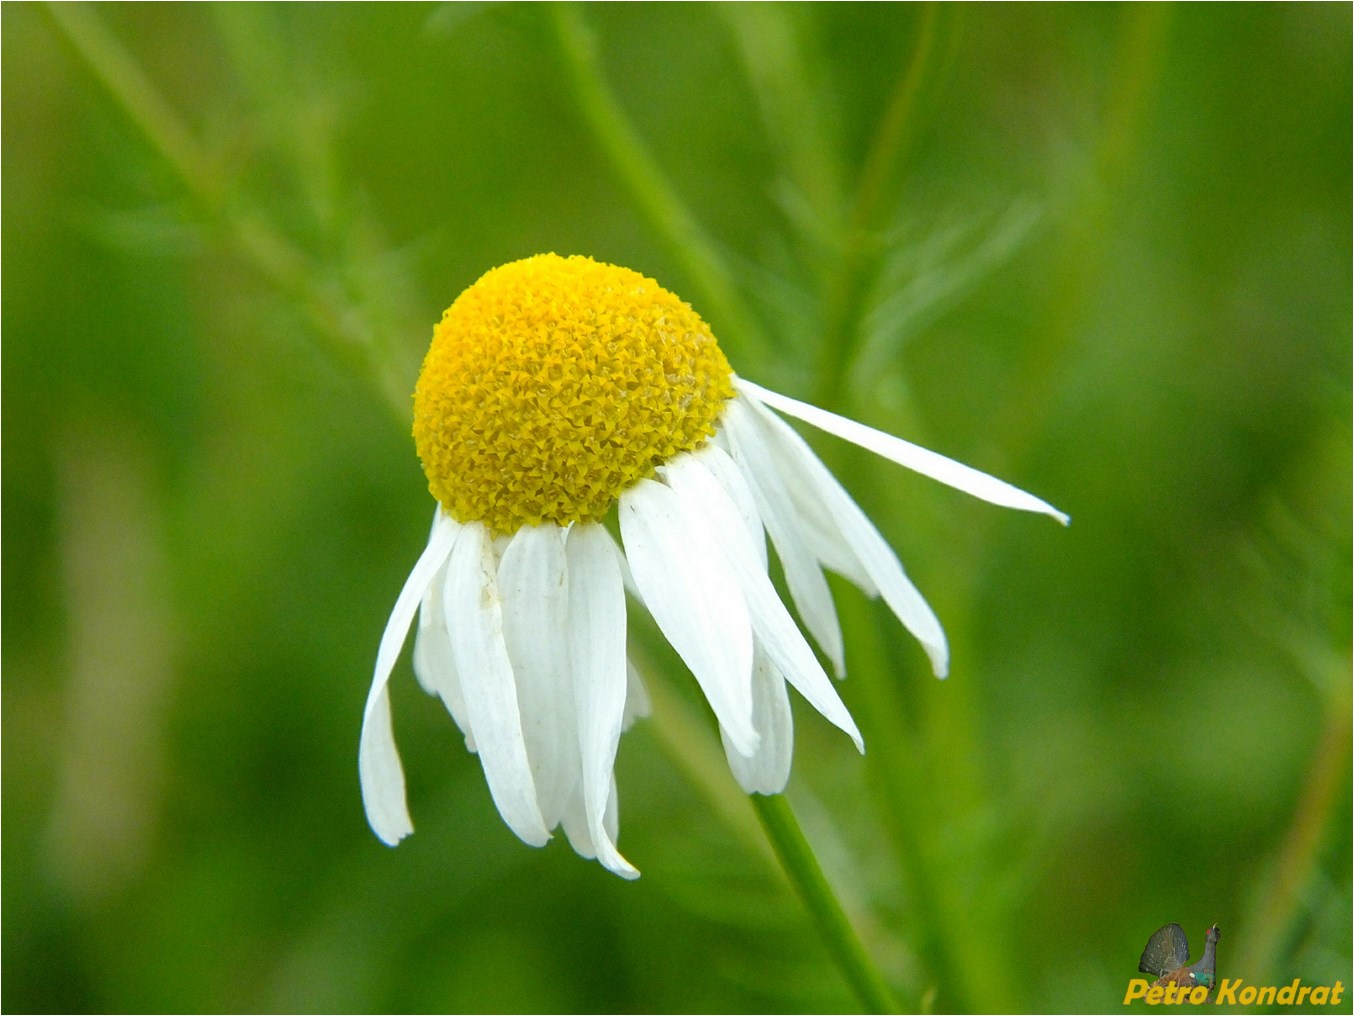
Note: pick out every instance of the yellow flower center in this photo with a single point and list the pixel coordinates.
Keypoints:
(553, 384)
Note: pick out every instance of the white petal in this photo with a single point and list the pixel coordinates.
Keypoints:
(624, 566)
(475, 624)
(721, 464)
(708, 506)
(611, 821)
(534, 585)
(429, 611)
(686, 584)
(596, 652)
(434, 665)
(870, 548)
(574, 822)
(378, 760)
(637, 704)
(378, 763)
(808, 588)
(905, 453)
(819, 530)
(768, 770)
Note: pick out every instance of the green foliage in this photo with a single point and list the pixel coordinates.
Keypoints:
(1100, 251)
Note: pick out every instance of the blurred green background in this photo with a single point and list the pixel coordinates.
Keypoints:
(1101, 251)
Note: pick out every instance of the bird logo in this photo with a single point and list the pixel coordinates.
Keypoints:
(1167, 954)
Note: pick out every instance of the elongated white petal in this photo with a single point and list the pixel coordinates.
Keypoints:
(637, 704)
(808, 588)
(574, 822)
(722, 466)
(778, 637)
(870, 548)
(533, 582)
(378, 763)
(685, 582)
(768, 770)
(378, 760)
(429, 618)
(611, 821)
(820, 530)
(905, 453)
(596, 652)
(624, 566)
(434, 665)
(475, 623)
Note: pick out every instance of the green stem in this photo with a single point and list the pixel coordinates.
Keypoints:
(685, 736)
(801, 865)
(845, 299)
(687, 242)
(686, 740)
(119, 73)
(1298, 854)
(338, 326)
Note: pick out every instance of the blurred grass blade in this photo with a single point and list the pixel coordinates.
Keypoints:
(775, 48)
(343, 329)
(717, 296)
(121, 75)
(919, 283)
(843, 302)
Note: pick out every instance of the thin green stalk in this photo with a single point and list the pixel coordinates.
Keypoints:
(1298, 854)
(801, 865)
(337, 324)
(118, 72)
(911, 791)
(657, 198)
(845, 298)
(1135, 77)
(687, 741)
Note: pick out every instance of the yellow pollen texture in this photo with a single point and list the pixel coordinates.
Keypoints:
(553, 384)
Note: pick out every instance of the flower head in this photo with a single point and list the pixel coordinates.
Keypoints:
(554, 389)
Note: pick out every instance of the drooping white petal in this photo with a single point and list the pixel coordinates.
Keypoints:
(533, 582)
(819, 529)
(905, 453)
(378, 763)
(596, 654)
(574, 822)
(378, 760)
(611, 821)
(721, 464)
(434, 665)
(685, 582)
(624, 566)
(475, 624)
(870, 548)
(808, 588)
(637, 704)
(429, 616)
(708, 506)
(429, 611)
(768, 770)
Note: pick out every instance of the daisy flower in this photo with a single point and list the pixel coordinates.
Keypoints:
(556, 388)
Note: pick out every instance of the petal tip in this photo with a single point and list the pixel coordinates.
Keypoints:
(618, 865)
(391, 837)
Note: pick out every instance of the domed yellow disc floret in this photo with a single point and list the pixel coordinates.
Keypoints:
(553, 384)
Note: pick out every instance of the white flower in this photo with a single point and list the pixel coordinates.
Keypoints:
(538, 408)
